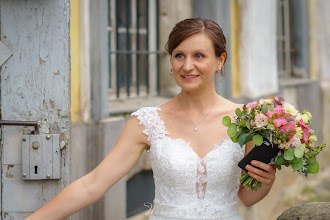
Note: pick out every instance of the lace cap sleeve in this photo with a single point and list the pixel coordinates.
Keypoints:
(154, 126)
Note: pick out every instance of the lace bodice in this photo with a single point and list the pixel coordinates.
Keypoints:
(187, 186)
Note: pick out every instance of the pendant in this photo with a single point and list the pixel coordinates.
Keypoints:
(195, 129)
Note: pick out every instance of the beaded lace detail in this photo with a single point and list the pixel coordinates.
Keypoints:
(187, 186)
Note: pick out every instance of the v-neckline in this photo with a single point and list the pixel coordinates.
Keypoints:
(187, 143)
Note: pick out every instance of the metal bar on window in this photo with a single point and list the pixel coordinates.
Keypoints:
(137, 47)
(148, 85)
(157, 46)
(128, 40)
(287, 39)
(117, 55)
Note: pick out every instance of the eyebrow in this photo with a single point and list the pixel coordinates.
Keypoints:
(198, 50)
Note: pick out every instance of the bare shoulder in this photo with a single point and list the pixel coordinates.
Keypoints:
(228, 107)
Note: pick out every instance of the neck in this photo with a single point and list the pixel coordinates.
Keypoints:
(199, 103)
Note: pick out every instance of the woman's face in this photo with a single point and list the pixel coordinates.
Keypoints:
(194, 63)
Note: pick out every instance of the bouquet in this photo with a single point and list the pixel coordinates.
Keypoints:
(283, 127)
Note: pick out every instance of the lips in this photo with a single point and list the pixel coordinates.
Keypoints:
(189, 76)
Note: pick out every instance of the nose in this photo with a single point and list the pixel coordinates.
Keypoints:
(188, 65)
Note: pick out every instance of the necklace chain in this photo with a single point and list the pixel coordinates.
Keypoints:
(195, 125)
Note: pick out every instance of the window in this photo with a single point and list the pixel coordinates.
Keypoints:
(133, 48)
(293, 52)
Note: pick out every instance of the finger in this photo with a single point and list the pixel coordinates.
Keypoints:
(274, 168)
(257, 171)
(262, 165)
(264, 180)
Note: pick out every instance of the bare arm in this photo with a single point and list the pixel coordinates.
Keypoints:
(91, 187)
(262, 172)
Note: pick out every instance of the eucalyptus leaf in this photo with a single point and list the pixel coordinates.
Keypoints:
(257, 140)
(299, 153)
(280, 161)
(232, 130)
(289, 154)
(298, 165)
(295, 160)
(238, 112)
(226, 121)
(241, 123)
(311, 161)
(313, 168)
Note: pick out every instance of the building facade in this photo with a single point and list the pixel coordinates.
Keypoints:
(117, 61)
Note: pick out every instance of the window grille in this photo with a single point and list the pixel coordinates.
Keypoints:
(133, 48)
(284, 42)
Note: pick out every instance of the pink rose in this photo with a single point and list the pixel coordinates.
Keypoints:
(261, 120)
(252, 104)
(288, 127)
(306, 130)
(279, 122)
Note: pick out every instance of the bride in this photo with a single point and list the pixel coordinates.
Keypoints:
(193, 160)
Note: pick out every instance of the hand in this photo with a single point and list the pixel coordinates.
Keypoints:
(262, 172)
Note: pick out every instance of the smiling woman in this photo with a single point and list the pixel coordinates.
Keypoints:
(193, 159)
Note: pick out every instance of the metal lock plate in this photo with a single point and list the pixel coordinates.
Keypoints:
(41, 157)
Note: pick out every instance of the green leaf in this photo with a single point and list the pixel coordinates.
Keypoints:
(299, 153)
(242, 138)
(298, 165)
(238, 112)
(264, 133)
(232, 130)
(264, 109)
(248, 125)
(226, 121)
(280, 160)
(249, 138)
(311, 161)
(295, 160)
(313, 168)
(241, 123)
(257, 140)
(289, 154)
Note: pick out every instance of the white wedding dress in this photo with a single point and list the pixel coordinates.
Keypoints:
(187, 186)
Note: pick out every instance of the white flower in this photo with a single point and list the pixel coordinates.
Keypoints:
(265, 101)
(305, 118)
(261, 120)
(298, 117)
(290, 109)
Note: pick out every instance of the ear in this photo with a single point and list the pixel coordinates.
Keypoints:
(221, 60)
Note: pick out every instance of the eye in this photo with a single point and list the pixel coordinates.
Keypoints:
(178, 55)
(199, 55)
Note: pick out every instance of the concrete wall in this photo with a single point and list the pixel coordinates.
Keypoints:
(91, 142)
(257, 52)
